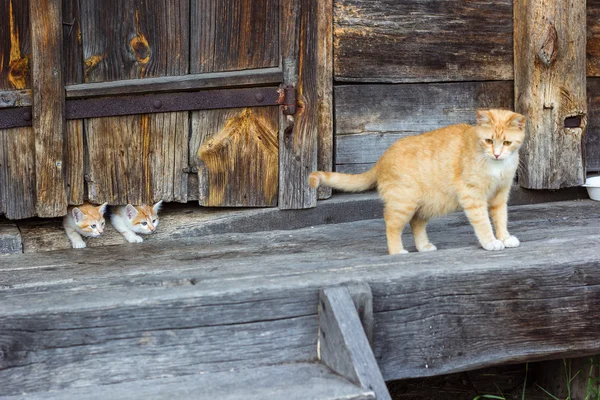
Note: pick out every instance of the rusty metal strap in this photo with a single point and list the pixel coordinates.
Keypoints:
(153, 103)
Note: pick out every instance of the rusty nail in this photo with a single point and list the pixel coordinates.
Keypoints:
(27, 115)
(157, 104)
(259, 97)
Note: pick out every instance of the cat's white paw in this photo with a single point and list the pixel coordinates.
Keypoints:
(135, 239)
(428, 247)
(79, 245)
(494, 245)
(511, 241)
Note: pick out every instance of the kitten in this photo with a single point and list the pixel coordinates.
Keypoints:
(456, 167)
(84, 220)
(129, 220)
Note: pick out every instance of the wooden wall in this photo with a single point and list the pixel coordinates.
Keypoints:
(409, 66)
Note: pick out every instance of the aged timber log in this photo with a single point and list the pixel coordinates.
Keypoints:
(550, 89)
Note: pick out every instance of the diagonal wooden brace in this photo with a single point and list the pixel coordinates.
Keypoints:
(343, 343)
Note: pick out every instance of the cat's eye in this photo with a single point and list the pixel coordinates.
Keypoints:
(507, 143)
(144, 223)
(153, 221)
(93, 226)
(489, 141)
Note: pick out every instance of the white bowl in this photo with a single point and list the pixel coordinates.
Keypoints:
(593, 187)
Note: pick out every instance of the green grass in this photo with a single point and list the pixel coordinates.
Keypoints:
(592, 387)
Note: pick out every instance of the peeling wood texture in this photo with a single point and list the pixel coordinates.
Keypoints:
(136, 159)
(593, 37)
(239, 165)
(369, 118)
(298, 134)
(325, 91)
(550, 87)
(592, 134)
(17, 146)
(423, 40)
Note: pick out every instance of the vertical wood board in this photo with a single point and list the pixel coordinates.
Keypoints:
(17, 146)
(325, 91)
(73, 70)
(550, 90)
(592, 134)
(593, 37)
(48, 106)
(298, 136)
(231, 35)
(136, 159)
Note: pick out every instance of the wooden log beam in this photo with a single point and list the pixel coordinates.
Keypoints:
(48, 106)
(550, 89)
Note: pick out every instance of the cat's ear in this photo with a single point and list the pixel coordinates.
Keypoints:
(157, 207)
(77, 214)
(518, 121)
(130, 211)
(483, 117)
(102, 208)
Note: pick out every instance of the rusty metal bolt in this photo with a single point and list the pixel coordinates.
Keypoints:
(27, 115)
(157, 104)
(259, 97)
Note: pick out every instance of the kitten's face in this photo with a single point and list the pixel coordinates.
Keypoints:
(89, 220)
(500, 133)
(143, 219)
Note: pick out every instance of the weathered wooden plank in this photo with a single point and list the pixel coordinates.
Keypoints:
(550, 40)
(593, 38)
(209, 80)
(369, 118)
(17, 146)
(298, 136)
(592, 134)
(325, 91)
(138, 159)
(10, 239)
(278, 252)
(302, 381)
(74, 164)
(48, 107)
(435, 313)
(343, 345)
(231, 35)
(423, 40)
(235, 152)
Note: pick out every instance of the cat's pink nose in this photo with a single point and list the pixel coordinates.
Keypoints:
(496, 155)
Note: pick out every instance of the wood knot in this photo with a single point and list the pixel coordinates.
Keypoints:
(140, 48)
(91, 63)
(548, 45)
(18, 71)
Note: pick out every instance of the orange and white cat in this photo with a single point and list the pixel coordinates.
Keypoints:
(456, 167)
(129, 220)
(84, 220)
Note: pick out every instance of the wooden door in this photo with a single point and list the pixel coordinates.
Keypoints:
(177, 101)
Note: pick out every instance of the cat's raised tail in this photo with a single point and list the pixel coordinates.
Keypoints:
(345, 182)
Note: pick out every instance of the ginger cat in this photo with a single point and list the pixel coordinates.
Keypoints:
(438, 172)
(129, 220)
(84, 220)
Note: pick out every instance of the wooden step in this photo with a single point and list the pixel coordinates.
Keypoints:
(302, 381)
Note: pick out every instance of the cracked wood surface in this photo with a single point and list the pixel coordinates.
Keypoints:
(251, 300)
